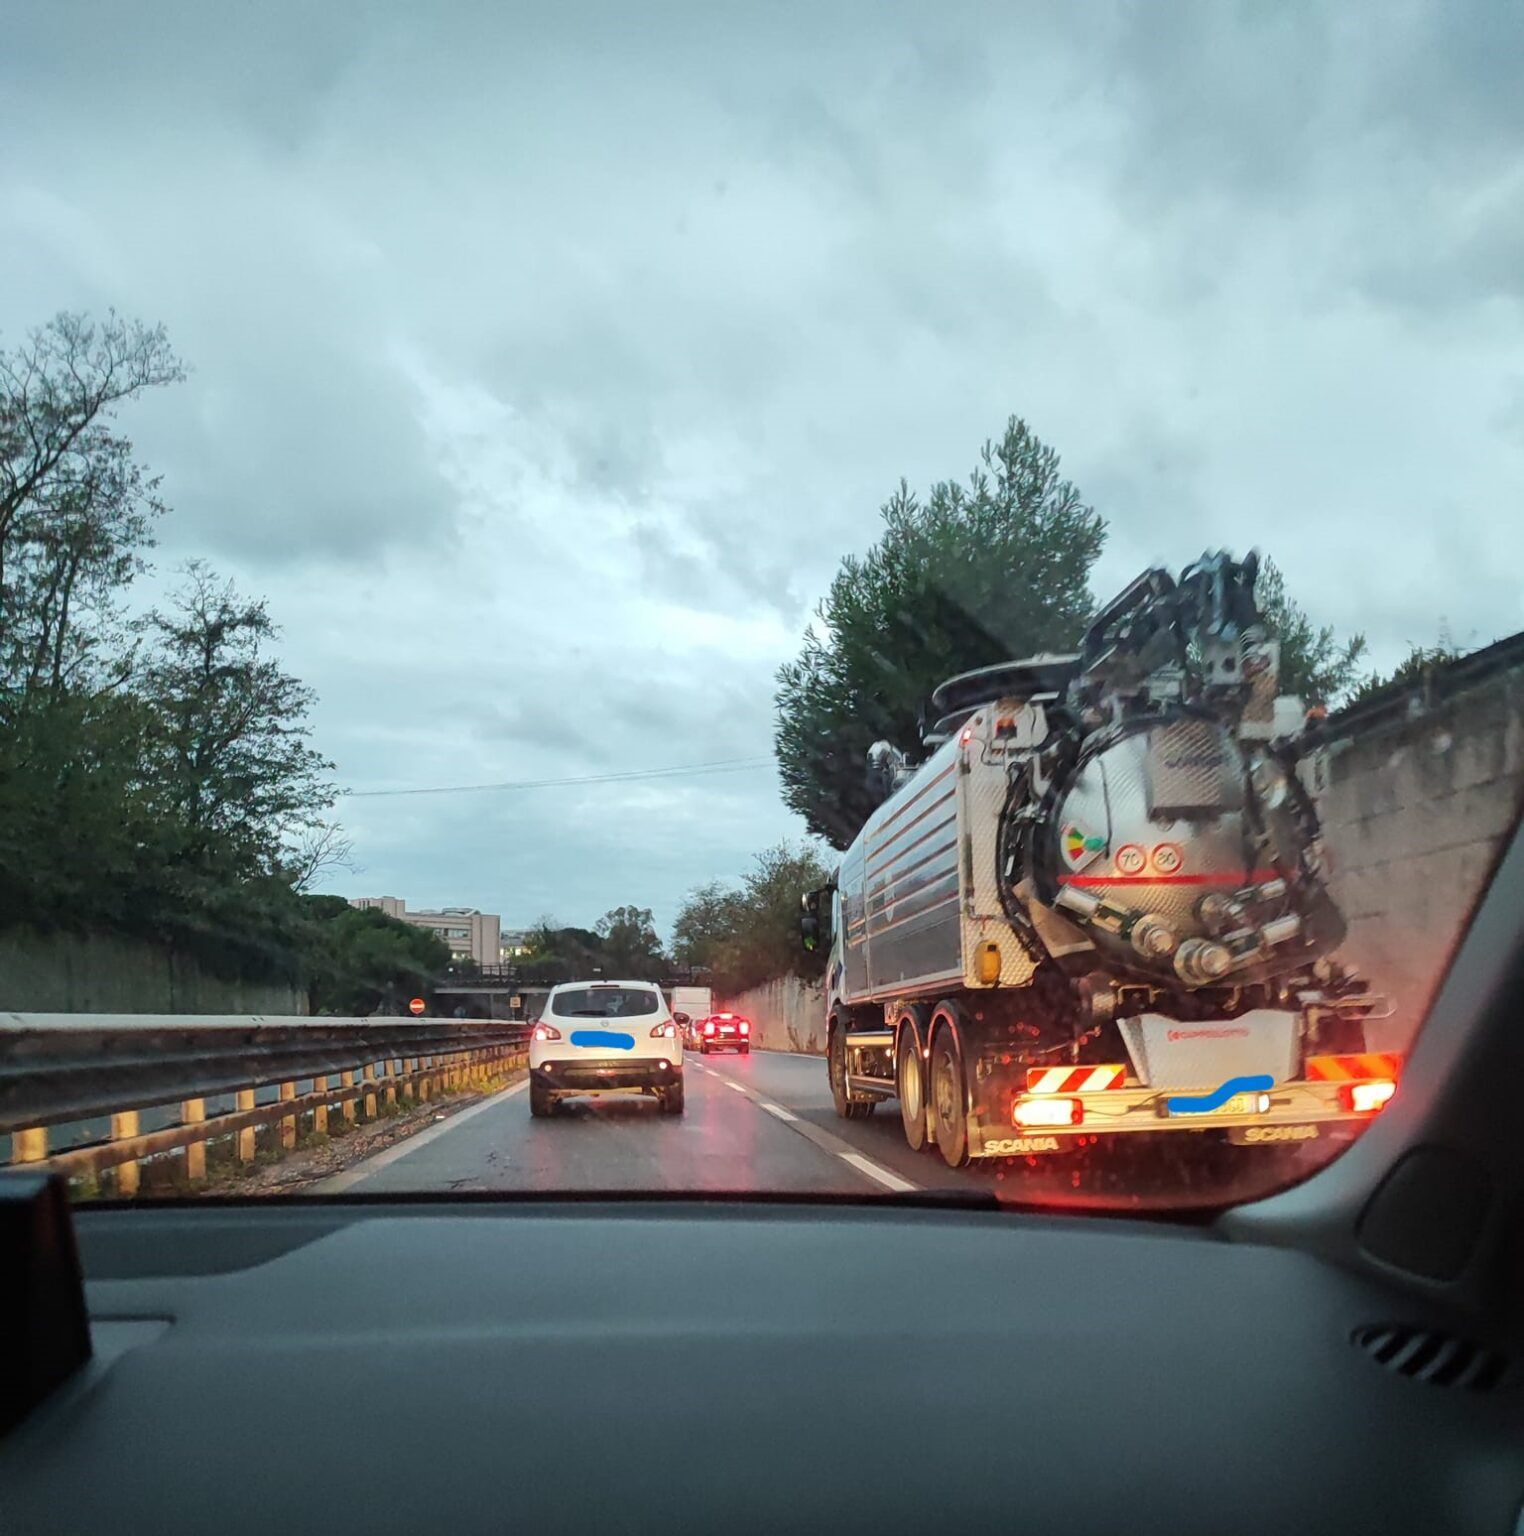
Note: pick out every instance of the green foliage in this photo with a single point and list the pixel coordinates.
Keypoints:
(360, 961)
(237, 781)
(978, 573)
(750, 934)
(1415, 669)
(1315, 665)
(556, 954)
(631, 948)
(155, 777)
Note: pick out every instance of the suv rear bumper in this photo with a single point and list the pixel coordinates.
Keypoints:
(604, 1076)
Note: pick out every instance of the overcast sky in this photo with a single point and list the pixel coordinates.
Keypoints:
(546, 362)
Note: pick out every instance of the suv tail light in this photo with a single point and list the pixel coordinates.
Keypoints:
(664, 1032)
(546, 1032)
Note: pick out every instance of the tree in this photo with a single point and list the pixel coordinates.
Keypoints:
(630, 944)
(360, 961)
(237, 776)
(1417, 668)
(1315, 666)
(705, 923)
(978, 573)
(75, 506)
(750, 934)
(555, 954)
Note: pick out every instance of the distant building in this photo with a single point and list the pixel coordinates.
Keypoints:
(515, 945)
(470, 935)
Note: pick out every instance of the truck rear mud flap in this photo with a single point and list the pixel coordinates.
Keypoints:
(1023, 1125)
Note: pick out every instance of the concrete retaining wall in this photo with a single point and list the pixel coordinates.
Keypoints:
(73, 973)
(786, 1015)
(1417, 793)
(1416, 803)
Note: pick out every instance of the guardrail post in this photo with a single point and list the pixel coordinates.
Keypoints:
(370, 1093)
(29, 1146)
(423, 1079)
(124, 1126)
(347, 1080)
(288, 1124)
(389, 1066)
(193, 1112)
(409, 1066)
(245, 1100)
(320, 1111)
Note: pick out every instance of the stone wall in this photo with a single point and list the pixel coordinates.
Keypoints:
(786, 1015)
(1416, 800)
(74, 973)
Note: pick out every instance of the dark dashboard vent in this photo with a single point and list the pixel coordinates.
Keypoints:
(1426, 1354)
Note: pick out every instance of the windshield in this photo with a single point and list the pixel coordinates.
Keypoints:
(970, 553)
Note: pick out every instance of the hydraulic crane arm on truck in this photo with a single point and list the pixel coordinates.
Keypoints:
(1098, 907)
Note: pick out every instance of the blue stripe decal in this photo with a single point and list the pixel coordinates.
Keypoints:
(607, 1038)
(1205, 1103)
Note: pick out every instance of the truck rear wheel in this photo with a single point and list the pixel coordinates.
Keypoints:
(948, 1098)
(910, 1085)
(836, 1064)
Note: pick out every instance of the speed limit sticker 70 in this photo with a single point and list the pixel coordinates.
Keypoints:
(1167, 858)
(1130, 859)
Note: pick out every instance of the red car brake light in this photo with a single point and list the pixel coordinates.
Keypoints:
(745, 1027)
(708, 1026)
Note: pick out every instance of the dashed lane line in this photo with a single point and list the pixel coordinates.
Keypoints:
(859, 1161)
(878, 1173)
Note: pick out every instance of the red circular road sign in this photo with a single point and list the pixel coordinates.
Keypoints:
(416, 1006)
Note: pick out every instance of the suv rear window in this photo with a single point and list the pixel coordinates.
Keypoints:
(605, 1003)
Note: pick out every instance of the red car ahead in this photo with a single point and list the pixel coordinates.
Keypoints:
(725, 1032)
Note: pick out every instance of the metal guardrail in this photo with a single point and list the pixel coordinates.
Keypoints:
(57, 1069)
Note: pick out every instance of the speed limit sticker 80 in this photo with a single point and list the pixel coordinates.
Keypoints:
(1167, 858)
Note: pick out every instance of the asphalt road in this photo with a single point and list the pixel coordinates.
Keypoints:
(765, 1123)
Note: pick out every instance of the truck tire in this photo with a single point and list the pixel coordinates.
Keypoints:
(910, 1085)
(541, 1101)
(672, 1098)
(948, 1098)
(836, 1064)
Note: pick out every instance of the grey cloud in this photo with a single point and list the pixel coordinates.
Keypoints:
(513, 330)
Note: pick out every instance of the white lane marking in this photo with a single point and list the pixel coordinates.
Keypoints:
(880, 1175)
(352, 1176)
(739, 1087)
(777, 1109)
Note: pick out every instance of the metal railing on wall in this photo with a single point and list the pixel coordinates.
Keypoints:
(68, 1070)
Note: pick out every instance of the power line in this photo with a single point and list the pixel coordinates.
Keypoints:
(723, 765)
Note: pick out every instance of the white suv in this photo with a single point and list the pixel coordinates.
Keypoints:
(599, 1037)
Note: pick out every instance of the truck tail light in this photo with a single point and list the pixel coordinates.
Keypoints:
(1367, 1097)
(546, 1032)
(1047, 1111)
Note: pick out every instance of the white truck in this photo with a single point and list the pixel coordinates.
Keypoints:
(1098, 906)
(696, 1002)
